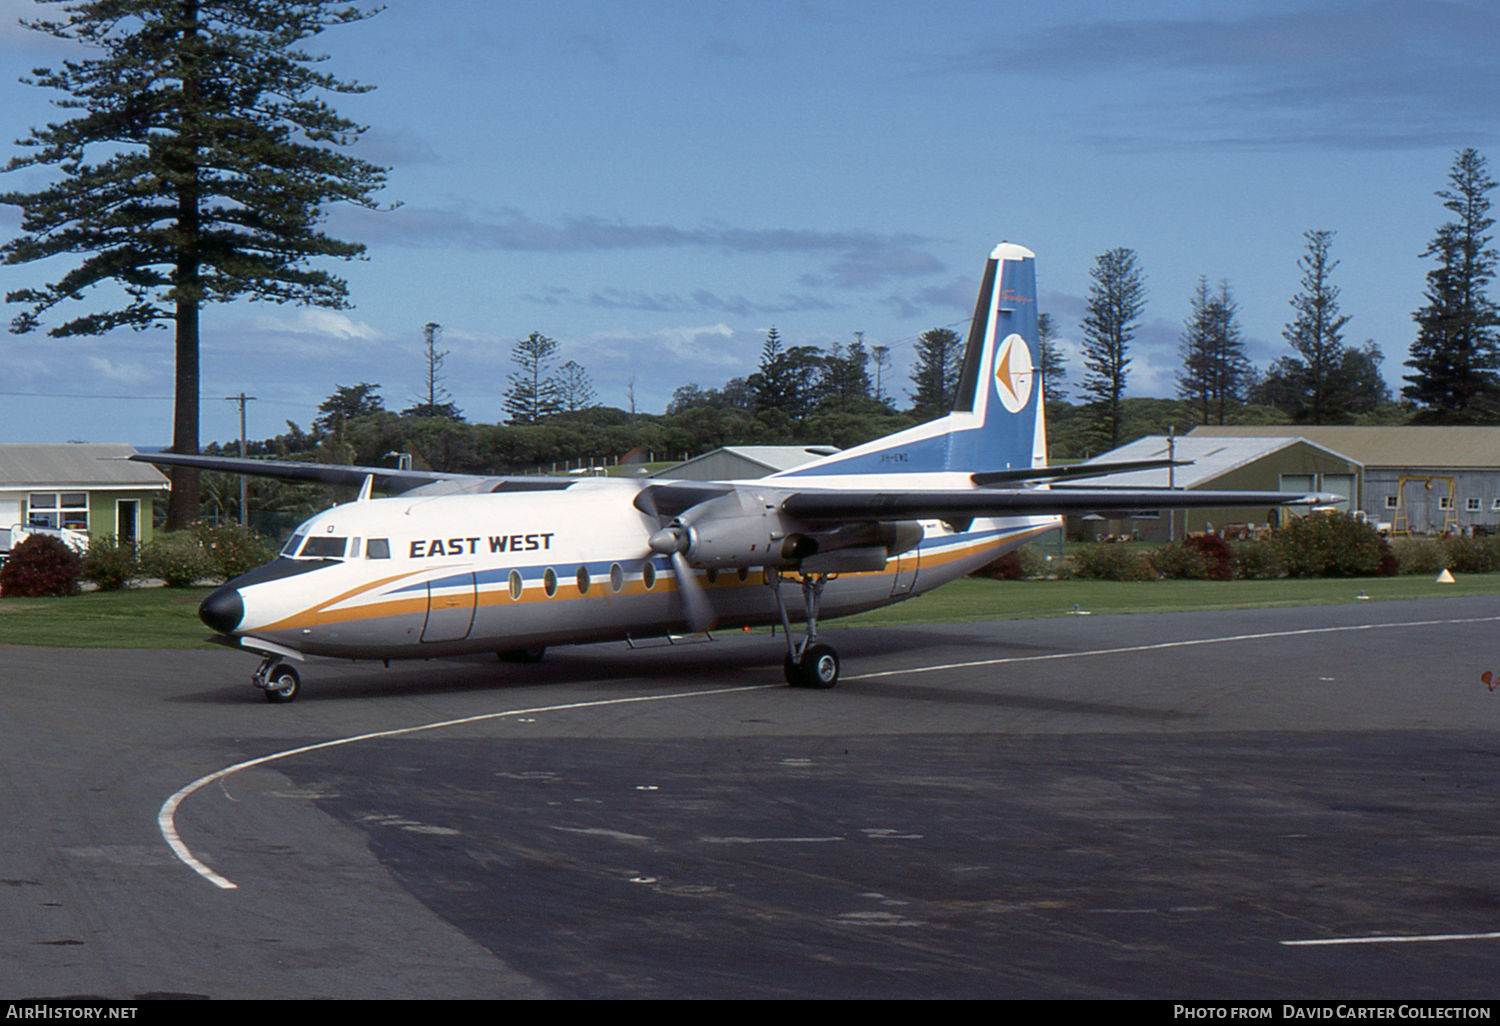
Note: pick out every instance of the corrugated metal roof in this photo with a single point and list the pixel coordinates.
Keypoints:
(772, 457)
(1457, 447)
(75, 465)
(1212, 457)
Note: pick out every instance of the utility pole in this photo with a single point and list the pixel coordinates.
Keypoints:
(242, 399)
(1172, 482)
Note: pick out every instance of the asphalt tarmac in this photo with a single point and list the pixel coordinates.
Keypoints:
(1275, 804)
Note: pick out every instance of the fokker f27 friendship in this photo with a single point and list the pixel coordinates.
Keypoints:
(458, 564)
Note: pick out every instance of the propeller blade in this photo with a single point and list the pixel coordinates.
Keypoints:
(696, 607)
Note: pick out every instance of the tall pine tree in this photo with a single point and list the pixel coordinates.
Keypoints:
(940, 357)
(1116, 299)
(195, 171)
(1054, 371)
(575, 389)
(1457, 353)
(434, 400)
(535, 391)
(1316, 335)
(1214, 366)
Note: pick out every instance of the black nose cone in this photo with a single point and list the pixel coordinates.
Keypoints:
(223, 609)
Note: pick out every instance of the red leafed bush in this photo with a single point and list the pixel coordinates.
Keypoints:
(40, 567)
(1217, 553)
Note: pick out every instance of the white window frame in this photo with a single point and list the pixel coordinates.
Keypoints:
(54, 510)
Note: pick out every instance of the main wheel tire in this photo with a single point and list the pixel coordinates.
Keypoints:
(282, 685)
(523, 655)
(819, 668)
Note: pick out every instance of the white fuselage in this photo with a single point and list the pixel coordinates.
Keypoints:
(420, 576)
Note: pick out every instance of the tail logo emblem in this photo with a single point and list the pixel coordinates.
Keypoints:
(1013, 373)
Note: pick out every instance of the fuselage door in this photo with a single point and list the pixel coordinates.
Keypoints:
(450, 607)
(906, 572)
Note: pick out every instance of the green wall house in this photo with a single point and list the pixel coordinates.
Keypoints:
(82, 486)
(1286, 464)
(1426, 480)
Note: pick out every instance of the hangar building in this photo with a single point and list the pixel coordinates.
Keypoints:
(1271, 464)
(1418, 479)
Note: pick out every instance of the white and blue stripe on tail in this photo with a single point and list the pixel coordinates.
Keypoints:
(997, 421)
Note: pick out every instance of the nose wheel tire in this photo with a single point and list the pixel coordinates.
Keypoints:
(282, 685)
(818, 668)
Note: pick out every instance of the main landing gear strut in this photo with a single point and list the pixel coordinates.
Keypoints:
(276, 680)
(809, 663)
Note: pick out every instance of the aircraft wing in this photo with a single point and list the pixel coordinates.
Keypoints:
(833, 504)
(326, 473)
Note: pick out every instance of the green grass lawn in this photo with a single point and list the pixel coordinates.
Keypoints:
(168, 617)
(139, 618)
(981, 599)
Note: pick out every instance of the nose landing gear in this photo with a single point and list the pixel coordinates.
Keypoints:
(278, 682)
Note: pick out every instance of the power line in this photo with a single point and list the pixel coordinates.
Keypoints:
(81, 395)
(153, 398)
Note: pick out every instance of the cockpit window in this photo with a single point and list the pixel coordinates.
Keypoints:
(293, 543)
(324, 547)
(378, 548)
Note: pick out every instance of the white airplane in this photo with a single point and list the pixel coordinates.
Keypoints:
(458, 564)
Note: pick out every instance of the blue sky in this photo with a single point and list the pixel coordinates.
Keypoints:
(656, 183)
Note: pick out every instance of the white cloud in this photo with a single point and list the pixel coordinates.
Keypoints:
(124, 373)
(322, 323)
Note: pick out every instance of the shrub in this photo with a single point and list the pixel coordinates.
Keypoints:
(110, 564)
(1257, 561)
(179, 559)
(1469, 555)
(1328, 544)
(40, 567)
(1105, 562)
(1389, 565)
(1017, 565)
(1419, 556)
(1217, 554)
(1180, 563)
(232, 549)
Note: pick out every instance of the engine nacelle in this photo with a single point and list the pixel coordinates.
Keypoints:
(735, 530)
(741, 529)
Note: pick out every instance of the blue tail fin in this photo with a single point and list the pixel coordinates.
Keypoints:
(997, 421)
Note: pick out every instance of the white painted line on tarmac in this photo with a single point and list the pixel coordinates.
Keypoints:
(166, 818)
(1419, 938)
(1169, 644)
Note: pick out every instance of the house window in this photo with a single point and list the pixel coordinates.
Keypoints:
(1445, 502)
(1473, 505)
(1392, 502)
(58, 509)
